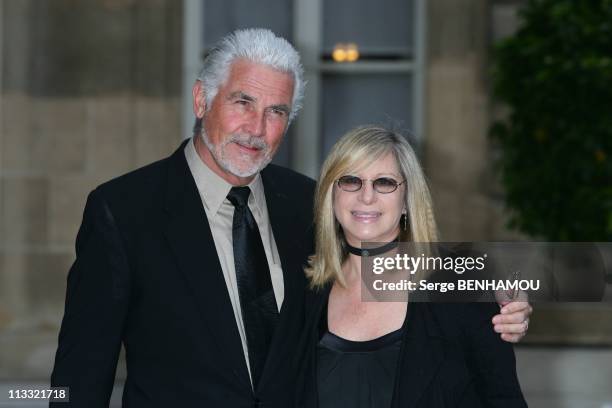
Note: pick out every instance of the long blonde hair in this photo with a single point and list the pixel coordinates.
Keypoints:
(358, 149)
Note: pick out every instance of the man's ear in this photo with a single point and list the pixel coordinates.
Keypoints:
(199, 99)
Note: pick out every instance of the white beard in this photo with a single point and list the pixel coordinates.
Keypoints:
(243, 165)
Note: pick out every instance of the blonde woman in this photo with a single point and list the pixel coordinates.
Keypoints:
(384, 354)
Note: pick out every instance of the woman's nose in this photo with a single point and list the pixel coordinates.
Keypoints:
(367, 194)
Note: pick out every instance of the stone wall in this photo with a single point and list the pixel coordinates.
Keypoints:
(90, 90)
(458, 153)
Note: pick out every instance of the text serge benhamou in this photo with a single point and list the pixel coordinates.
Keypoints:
(461, 284)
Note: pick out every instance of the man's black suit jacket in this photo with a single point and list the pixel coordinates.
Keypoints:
(147, 274)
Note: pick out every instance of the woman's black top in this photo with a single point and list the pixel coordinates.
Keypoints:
(449, 357)
(356, 373)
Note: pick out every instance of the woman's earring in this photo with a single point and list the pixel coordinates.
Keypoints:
(405, 222)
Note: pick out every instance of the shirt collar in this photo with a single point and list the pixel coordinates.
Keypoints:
(213, 189)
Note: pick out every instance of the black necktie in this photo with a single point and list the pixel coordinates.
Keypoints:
(257, 301)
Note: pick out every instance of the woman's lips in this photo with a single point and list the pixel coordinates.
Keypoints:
(366, 216)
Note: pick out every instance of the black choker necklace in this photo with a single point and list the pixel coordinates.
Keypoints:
(372, 251)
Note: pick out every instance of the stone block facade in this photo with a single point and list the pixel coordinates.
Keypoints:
(458, 153)
(89, 90)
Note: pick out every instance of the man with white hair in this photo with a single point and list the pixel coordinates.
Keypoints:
(194, 262)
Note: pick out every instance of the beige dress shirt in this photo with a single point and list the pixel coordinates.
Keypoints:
(220, 212)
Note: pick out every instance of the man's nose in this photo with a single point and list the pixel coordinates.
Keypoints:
(256, 124)
(367, 194)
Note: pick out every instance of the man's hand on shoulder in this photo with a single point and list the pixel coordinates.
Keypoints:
(512, 322)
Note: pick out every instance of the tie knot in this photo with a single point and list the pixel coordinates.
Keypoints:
(239, 196)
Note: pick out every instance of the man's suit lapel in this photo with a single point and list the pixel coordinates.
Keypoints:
(281, 213)
(190, 238)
